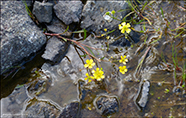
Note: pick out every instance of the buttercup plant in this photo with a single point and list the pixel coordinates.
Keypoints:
(98, 74)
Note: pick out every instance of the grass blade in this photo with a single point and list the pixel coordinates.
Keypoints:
(80, 31)
(162, 12)
(85, 34)
(91, 51)
(65, 30)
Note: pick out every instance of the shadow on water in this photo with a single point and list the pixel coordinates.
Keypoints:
(21, 75)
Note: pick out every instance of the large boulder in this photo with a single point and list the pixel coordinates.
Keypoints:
(19, 35)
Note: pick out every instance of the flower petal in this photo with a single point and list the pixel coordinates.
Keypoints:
(120, 27)
(128, 25)
(128, 31)
(86, 65)
(123, 23)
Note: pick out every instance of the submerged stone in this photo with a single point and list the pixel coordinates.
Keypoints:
(106, 105)
(40, 109)
(142, 96)
(72, 110)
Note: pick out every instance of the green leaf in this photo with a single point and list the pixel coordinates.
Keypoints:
(83, 55)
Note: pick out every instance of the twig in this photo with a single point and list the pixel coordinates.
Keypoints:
(76, 42)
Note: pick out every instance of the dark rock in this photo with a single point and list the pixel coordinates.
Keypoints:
(106, 105)
(43, 11)
(93, 15)
(19, 35)
(55, 50)
(68, 11)
(71, 111)
(56, 26)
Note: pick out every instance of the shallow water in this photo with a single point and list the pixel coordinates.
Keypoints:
(46, 92)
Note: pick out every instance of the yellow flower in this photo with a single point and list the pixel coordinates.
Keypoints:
(105, 29)
(98, 74)
(89, 78)
(123, 59)
(89, 63)
(123, 69)
(124, 27)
